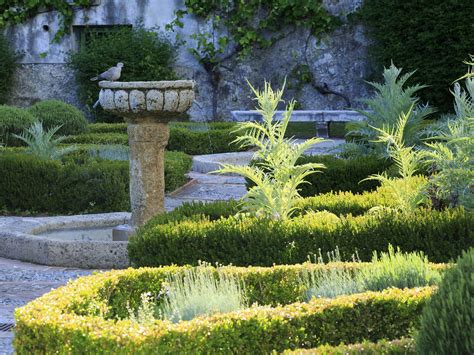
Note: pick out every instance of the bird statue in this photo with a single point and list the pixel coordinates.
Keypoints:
(111, 74)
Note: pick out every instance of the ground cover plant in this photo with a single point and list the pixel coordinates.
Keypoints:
(92, 313)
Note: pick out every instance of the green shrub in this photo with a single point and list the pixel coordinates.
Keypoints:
(82, 317)
(147, 55)
(392, 269)
(391, 99)
(55, 113)
(442, 29)
(108, 128)
(13, 120)
(33, 185)
(8, 59)
(341, 174)
(198, 292)
(448, 319)
(195, 142)
(404, 346)
(42, 144)
(276, 179)
(441, 235)
(183, 137)
(396, 269)
(98, 138)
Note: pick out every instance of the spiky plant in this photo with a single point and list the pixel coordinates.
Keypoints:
(406, 195)
(276, 177)
(42, 143)
(391, 97)
(452, 153)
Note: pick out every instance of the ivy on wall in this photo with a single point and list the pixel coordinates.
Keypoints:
(234, 28)
(13, 12)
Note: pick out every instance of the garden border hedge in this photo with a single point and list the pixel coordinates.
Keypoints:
(399, 346)
(441, 235)
(34, 185)
(67, 320)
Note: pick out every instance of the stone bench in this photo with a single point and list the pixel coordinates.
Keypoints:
(321, 118)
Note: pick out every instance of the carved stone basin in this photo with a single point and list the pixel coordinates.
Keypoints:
(147, 107)
(162, 100)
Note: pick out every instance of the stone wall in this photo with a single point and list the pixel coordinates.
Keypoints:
(337, 61)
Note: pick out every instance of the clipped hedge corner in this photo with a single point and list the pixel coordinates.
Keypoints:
(82, 317)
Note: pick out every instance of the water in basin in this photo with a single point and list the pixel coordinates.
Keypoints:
(103, 234)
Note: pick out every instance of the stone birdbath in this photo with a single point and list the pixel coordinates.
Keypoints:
(147, 107)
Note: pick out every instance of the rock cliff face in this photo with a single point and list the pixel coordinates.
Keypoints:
(338, 61)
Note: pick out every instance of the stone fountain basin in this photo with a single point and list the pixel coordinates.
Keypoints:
(83, 241)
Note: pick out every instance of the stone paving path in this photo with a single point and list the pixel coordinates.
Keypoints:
(22, 282)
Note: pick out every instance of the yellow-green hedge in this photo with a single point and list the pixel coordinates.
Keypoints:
(399, 346)
(82, 317)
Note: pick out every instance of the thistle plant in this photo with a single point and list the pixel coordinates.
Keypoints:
(42, 143)
(406, 192)
(452, 153)
(391, 97)
(276, 177)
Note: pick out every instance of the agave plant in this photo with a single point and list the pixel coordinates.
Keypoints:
(452, 152)
(276, 177)
(391, 97)
(42, 143)
(406, 192)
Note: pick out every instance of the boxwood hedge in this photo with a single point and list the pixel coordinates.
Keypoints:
(341, 174)
(86, 316)
(29, 184)
(188, 137)
(400, 346)
(186, 237)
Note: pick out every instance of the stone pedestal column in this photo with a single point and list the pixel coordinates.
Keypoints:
(147, 142)
(147, 107)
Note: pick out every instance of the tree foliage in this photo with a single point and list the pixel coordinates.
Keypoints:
(146, 54)
(432, 37)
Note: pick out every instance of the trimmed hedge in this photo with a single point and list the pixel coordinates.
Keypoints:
(58, 113)
(400, 346)
(13, 120)
(447, 323)
(441, 235)
(33, 185)
(71, 319)
(340, 174)
(187, 137)
(343, 174)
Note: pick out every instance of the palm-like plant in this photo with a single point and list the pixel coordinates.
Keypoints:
(406, 192)
(42, 143)
(452, 153)
(391, 97)
(276, 177)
